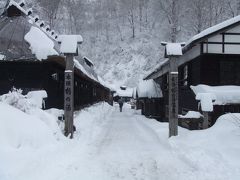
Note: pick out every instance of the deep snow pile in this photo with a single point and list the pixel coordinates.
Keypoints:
(33, 100)
(110, 145)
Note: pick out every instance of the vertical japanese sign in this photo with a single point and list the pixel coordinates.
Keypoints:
(173, 98)
(68, 102)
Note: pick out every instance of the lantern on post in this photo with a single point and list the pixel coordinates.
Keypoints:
(69, 47)
(172, 52)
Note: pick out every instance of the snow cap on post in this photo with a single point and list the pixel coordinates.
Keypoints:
(173, 49)
(69, 43)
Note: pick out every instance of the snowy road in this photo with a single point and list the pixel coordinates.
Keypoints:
(110, 145)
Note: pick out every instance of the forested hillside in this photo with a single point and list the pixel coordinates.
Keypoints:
(123, 37)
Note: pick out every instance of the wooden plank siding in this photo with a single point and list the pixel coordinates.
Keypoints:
(38, 75)
(210, 69)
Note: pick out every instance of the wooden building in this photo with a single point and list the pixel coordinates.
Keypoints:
(125, 93)
(210, 58)
(21, 67)
(148, 97)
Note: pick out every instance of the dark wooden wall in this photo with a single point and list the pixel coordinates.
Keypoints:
(209, 69)
(49, 76)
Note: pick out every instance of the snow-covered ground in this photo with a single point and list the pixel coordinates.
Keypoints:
(110, 145)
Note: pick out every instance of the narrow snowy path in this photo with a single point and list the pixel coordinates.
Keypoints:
(128, 148)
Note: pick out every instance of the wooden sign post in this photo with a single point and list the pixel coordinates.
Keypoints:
(173, 97)
(172, 52)
(69, 95)
(69, 47)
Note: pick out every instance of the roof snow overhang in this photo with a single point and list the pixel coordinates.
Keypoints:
(209, 32)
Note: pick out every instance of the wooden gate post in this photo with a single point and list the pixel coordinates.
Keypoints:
(69, 47)
(69, 95)
(172, 52)
(173, 97)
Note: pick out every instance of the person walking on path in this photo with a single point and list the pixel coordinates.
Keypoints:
(120, 102)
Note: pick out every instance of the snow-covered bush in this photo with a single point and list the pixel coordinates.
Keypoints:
(17, 99)
(25, 103)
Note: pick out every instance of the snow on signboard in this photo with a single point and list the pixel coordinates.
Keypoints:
(69, 43)
(40, 44)
(149, 89)
(220, 95)
(173, 49)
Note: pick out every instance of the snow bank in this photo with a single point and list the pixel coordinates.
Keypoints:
(18, 129)
(89, 122)
(36, 98)
(111, 145)
(149, 89)
(216, 95)
(40, 44)
(212, 153)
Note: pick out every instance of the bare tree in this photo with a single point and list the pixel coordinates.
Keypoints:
(131, 17)
(171, 10)
(50, 9)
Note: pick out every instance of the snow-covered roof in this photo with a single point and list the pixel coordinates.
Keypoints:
(23, 38)
(149, 89)
(213, 29)
(216, 95)
(173, 49)
(81, 67)
(17, 5)
(40, 44)
(69, 43)
(105, 83)
(125, 93)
